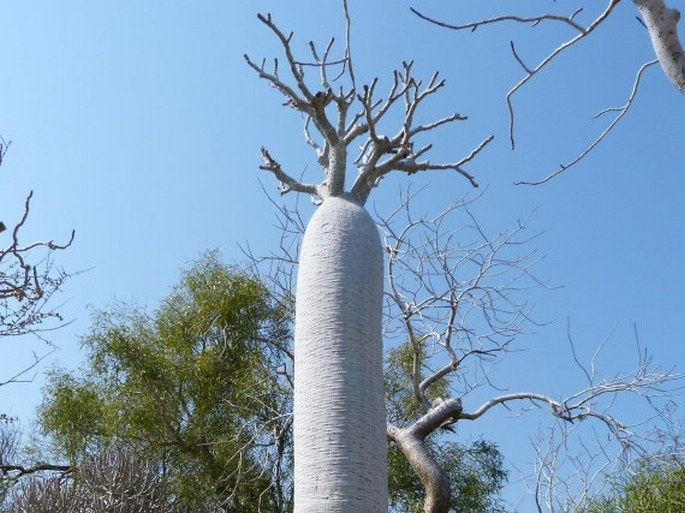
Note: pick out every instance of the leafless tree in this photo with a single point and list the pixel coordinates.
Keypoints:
(659, 20)
(340, 458)
(115, 481)
(28, 280)
(11, 470)
(455, 295)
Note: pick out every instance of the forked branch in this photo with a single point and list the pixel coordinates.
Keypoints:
(660, 21)
(619, 111)
(530, 72)
(336, 118)
(27, 280)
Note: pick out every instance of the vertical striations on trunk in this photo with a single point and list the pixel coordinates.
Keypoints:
(339, 413)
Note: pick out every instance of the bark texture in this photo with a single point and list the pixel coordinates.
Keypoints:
(339, 412)
(661, 23)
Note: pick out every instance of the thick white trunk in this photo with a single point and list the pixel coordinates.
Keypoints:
(340, 439)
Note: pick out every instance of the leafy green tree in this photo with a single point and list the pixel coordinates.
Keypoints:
(196, 386)
(653, 488)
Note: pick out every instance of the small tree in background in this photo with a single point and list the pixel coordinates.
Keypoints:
(197, 388)
(657, 487)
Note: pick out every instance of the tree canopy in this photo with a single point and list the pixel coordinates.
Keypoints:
(652, 488)
(195, 386)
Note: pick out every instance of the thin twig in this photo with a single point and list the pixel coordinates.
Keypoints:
(622, 111)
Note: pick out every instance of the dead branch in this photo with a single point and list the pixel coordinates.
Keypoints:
(17, 471)
(19, 377)
(455, 288)
(453, 291)
(660, 21)
(532, 20)
(621, 111)
(358, 112)
(26, 285)
(287, 183)
(530, 72)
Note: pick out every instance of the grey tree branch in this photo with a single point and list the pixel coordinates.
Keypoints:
(441, 283)
(621, 111)
(288, 183)
(661, 22)
(531, 72)
(532, 20)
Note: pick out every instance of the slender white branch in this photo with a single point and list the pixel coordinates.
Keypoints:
(622, 111)
(288, 183)
(532, 20)
(530, 73)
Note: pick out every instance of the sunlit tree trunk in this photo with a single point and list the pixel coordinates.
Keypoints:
(340, 431)
(339, 415)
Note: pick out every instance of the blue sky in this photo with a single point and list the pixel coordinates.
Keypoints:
(139, 125)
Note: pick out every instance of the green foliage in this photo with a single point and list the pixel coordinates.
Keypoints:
(476, 475)
(476, 472)
(194, 386)
(401, 403)
(655, 488)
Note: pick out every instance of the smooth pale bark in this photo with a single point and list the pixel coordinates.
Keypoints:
(662, 24)
(340, 441)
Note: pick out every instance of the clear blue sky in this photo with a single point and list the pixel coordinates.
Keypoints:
(139, 125)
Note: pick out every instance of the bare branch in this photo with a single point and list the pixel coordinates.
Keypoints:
(4, 146)
(292, 98)
(348, 47)
(534, 20)
(380, 154)
(295, 70)
(622, 111)
(531, 73)
(17, 471)
(26, 285)
(19, 376)
(288, 183)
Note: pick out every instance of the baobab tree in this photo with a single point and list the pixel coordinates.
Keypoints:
(339, 417)
(339, 420)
